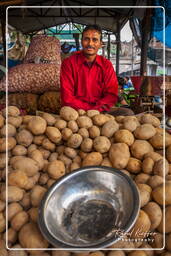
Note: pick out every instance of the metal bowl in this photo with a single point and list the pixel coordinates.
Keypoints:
(85, 209)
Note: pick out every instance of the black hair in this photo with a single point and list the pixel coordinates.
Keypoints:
(93, 27)
(121, 80)
(127, 77)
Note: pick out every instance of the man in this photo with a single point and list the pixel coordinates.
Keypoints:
(88, 81)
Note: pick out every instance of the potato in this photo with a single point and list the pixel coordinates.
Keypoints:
(13, 209)
(73, 126)
(158, 241)
(153, 155)
(137, 253)
(27, 165)
(50, 182)
(123, 243)
(87, 145)
(38, 139)
(60, 124)
(106, 162)
(145, 192)
(19, 150)
(19, 220)
(119, 155)
(62, 253)
(134, 165)
(168, 219)
(47, 144)
(158, 193)
(74, 166)
(43, 178)
(155, 181)
(24, 138)
(97, 253)
(27, 118)
(74, 140)
(150, 119)
(38, 157)
(68, 113)
(161, 167)
(60, 149)
(147, 165)
(84, 122)
(2, 206)
(15, 194)
(25, 202)
(2, 120)
(15, 121)
(130, 123)
(168, 242)
(101, 144)
(142, 178)
(139, 148)
(91, 113)
(37, 125)
(109, 128)
(124, 136)
(77, 159)
(144, 132)
(30, 237)
(119, 119)
(50, 119)
(66, 133)
(154, 213)
(157, 140)
(56, 169)
(66, 160)
(83, 132)
(33, 213)
(100, 119)
(116, 253)
(53, 156)
(168, 153)
(2, 160)
(53, 134)
(11, 142)
(8, 129)
(11, 111)
(2, 222)
(45, 152)
(93, 158)
(36, 195)
(141, 226)
(81, 112)
(12, 236)
(94, 131)
(18, 178)
(17, 252)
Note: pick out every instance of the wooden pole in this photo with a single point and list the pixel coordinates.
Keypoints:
(118, 45)
(108, 47)
(146, 24)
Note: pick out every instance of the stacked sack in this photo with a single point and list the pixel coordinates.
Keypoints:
(40, 70)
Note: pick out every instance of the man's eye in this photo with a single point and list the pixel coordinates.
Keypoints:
(95, 39)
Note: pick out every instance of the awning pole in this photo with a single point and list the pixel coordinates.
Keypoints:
(108, 47)
(146, 25)
(118, 44)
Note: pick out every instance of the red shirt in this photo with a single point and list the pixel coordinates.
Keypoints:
(88, 87)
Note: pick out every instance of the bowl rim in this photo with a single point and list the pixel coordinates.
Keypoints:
(41, 210)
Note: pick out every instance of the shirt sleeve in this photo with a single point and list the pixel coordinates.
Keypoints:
(67, 88)
(110, 91)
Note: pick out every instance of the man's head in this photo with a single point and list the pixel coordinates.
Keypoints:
(91, 40)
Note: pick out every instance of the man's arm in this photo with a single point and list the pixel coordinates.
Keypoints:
(110, 92)
(67, 88)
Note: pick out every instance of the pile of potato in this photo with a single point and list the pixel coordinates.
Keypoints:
(41, 149)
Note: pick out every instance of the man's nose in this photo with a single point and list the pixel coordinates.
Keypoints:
(90, 42)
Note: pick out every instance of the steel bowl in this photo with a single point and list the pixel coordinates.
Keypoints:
(86, 208)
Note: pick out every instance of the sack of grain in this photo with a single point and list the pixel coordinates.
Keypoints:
(45, 47)
(34, 78)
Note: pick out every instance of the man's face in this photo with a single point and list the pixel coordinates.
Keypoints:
(91, 42)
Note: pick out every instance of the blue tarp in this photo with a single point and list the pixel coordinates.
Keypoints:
(159, 24)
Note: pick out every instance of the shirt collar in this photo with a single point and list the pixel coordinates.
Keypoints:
(82, 59)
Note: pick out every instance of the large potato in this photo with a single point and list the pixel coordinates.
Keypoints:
(60, 124)
(50, 119)
(100, 119)
(8, 129)
(84, 132)
(19, 220)
(119, 155)
(134, 165)
(142, 178)
(154, 181)
(154, 213)
(36, 195)
(130, 123)
(47, 144)
(19, 150)
(11, 111)
(56, 169)
(144, 132)
(73, 126)
(74, 140)
(38, 157)
(87, 145)
(11, 142)
(30, 237)
(15, 194)
(68, 113)
(140, 147)
(147, 165)
(84, 122)
(124, 136)
(18, 178)
(24, 138)
(14, 120)
(150, 119)
(53, 134)
(109, 128)
(101, 144)
(91, 113)
(157, 140)
(161, 167)
(141, 227)
(94, 131)
(153, 155)
(37, 125)
(145, 193)
(158, 193)
(27, 165)
(93, 158)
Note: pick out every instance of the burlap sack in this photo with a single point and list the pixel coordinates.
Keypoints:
(33, 78)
